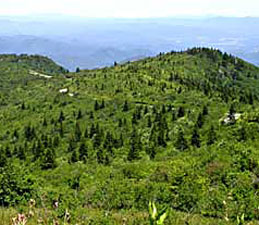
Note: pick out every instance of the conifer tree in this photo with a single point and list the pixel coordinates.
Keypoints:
(74, 156)
(181, 112)
(149, 121)
(21, 153)
(78, 132)
(212, 136)
(205, 111)
(135, 146)
(151, 151)
(83, 152)
(125, 106)
(8, 152)
(61, 117)
(100, 156)
(44, 123)
(96, 105)
(3, 158)
(48, 160)
(195, 140)
(200, 121)
(181, 143)
(79, 114)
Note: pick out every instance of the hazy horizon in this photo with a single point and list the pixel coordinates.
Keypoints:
(90, 34)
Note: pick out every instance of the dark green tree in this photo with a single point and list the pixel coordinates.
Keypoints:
(195, 140)
(135, 146)
(78, 132)
(125, 106)
(181, 143)
(74, 156)
(212, 136)
(83, 152)
(200, 121)
(181, 112)
(48, 160)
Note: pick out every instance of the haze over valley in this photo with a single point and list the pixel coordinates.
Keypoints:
(90, 43)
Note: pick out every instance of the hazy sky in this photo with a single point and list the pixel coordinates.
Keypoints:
(131, 8)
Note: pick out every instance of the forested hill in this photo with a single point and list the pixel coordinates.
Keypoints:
(180, 129)
(36, 62)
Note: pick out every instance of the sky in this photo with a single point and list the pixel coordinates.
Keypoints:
(131, 8)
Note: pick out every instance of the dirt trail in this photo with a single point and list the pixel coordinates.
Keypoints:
(39, 74)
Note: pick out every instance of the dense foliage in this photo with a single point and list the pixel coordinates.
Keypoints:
(180, 129)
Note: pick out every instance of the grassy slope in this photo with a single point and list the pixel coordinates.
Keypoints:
(195, 181)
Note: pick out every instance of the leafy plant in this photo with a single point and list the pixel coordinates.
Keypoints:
(157, 217)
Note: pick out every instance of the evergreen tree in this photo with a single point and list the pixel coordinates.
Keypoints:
(125, 106)
(96, 105)
(200, 121)
(61, 117)
(91, 115)
(205, 111)
(100, 156)
(135, 146)
(146, 110)
(55, 141)
(212, 136)
(8, 152)
(151, 151)
(195, 140)
(79, 114)
(3, 158)
(108, 143)
(48, 160)
(83, 152)
(149, 121)
(78, 132)
(97, 140)
(181, 143)
(161, 138)
(102, 106)
(74, 156)
(181, 112)
(44, 123)
(21, 153)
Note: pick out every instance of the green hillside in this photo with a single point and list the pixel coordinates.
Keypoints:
(179, 129)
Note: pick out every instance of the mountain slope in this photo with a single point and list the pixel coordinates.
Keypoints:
(180, 128)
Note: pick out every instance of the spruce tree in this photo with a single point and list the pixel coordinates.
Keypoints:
(48, 160)
(96, 105)
(74, 156)
(181, 143)
(181, 112)
(61, 117)
(3, 158)
(78, 132)
(195, 140)
(212, 136)
(79, 114)
(83, 152)
(200, 121)
(135, 146)
(125, 106)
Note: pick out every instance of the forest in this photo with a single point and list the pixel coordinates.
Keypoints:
(178, 132)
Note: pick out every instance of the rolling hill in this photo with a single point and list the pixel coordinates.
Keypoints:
(179, 129)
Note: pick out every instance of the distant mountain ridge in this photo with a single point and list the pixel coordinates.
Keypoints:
(90, 43)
